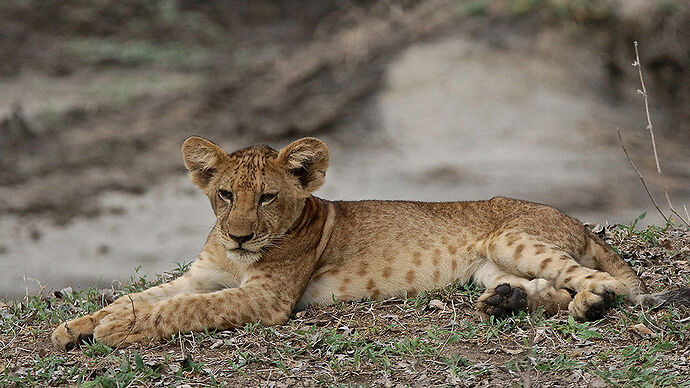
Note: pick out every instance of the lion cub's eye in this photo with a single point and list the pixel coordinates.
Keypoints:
(225, 195)
(267, 198)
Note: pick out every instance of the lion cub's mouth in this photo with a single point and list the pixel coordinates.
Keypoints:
(242, 251)
(242, 255)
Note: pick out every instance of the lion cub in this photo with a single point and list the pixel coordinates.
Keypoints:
(275, 247)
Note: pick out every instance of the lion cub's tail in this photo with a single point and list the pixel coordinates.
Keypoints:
(611, 262)
(679, 297)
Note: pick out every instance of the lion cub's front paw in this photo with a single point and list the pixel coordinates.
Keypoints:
(126, 325)
(69, 335)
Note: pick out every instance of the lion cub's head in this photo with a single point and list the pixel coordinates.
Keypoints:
(257, 193)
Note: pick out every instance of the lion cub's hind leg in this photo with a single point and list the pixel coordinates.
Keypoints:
(534, 257)
(507, 294)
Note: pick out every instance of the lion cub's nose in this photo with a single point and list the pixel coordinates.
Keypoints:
(241, 239)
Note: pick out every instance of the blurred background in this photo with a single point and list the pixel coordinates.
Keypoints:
(417, 99)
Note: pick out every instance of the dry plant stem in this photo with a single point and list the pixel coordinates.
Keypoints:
(133, 321)
(650, 127)
(656, 205)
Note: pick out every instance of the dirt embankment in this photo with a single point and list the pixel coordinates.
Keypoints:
(98, 96)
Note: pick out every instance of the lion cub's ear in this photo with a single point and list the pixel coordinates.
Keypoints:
(306, 159)
(202, 157)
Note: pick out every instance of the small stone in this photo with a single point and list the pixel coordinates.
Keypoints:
(107, 296)
(346, 331)
(436, 304)
(597, 382)
(21, 371)
(642, 330)
(63, 293)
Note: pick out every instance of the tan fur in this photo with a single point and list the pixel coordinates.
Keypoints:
(302, 250)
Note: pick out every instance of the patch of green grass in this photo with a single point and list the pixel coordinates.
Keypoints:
(494, 329)
(420, 300)
(39, 308)
(139, 282)
(457, 364)
(575, 11)
(673, 324)
(642, 367)
(121, 91)
(580, 330)
(40, 372)
(650, 234)
(568, 13)
(554, 362)
(137, 52)
(132, 370)
(95, 349)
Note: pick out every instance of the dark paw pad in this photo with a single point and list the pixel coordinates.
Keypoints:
(505, 301)
(597, 310)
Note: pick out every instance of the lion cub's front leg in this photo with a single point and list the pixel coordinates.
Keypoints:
(70, 334)
(255, 301)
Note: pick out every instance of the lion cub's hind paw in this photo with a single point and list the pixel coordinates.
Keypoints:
(502, 301)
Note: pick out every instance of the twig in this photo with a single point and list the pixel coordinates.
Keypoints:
(131, 326)
(643, 92)
(179, 335)
(650, 127)
(620, 139)
(26, 287)
(14, 337)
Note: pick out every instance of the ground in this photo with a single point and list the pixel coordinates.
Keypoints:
(97, 97)
(434, 339)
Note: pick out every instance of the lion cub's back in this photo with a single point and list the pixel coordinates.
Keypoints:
(380, 249)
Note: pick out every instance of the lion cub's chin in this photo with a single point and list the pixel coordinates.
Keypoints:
(243, 256)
